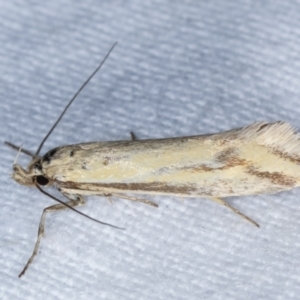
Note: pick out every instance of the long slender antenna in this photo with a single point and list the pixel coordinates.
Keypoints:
(72, 100)
(79, 212)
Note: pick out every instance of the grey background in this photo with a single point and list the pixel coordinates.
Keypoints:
(180, 68)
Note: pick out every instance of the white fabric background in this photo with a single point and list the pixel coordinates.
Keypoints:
(180, 68)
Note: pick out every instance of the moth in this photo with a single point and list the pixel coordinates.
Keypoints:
(262, 158)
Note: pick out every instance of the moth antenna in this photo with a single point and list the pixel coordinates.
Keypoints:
(77, 211)
(72, 100)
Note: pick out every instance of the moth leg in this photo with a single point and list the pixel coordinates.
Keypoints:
(18, 149)
(223, 202)
(108, 196)
(145, 201)
(57, 207)
(133, 136)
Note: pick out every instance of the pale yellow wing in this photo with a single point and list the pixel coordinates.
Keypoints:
(260, 158)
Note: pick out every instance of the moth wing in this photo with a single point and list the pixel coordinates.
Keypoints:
(256, 159)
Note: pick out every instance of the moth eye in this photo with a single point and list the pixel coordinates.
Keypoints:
(42, 180)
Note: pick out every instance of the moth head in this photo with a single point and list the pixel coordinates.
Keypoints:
(32, 176)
